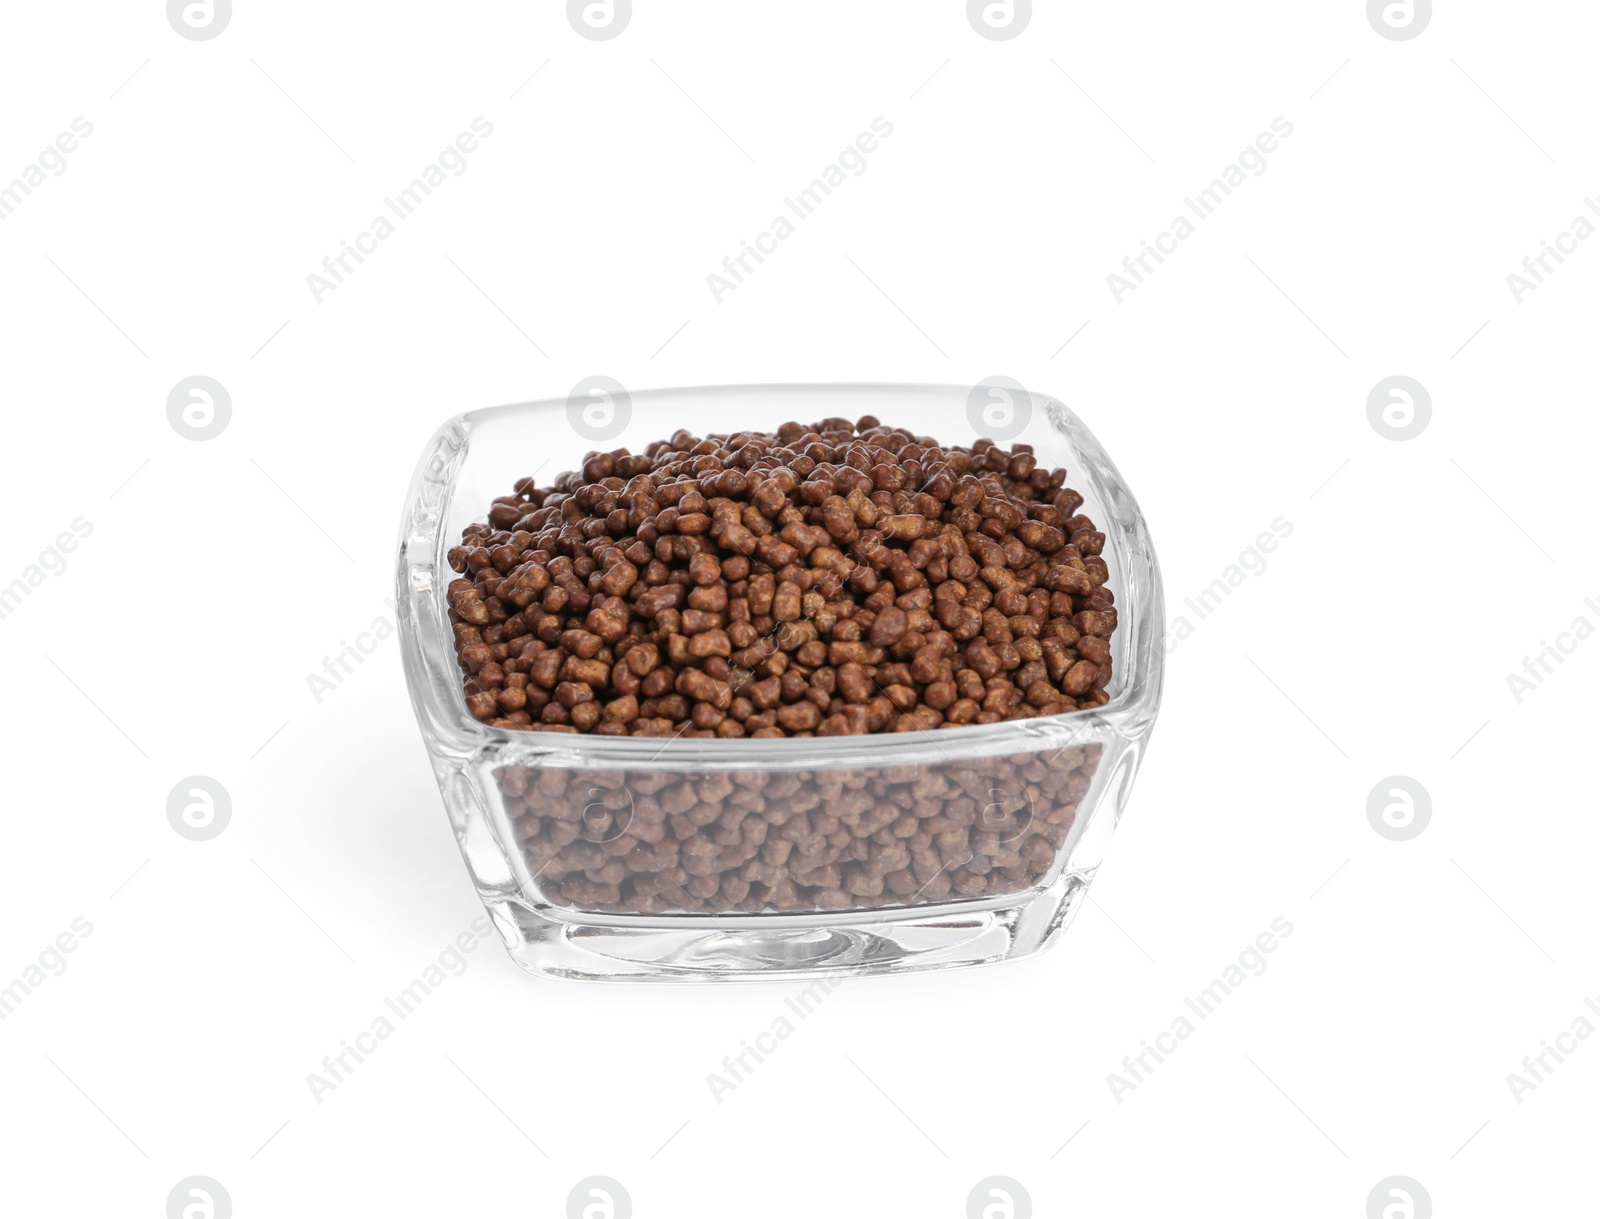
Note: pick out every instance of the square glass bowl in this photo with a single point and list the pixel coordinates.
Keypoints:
(1020, 811)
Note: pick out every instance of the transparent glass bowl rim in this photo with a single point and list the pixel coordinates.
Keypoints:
(434, 675)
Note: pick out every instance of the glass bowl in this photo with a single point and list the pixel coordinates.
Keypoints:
(986, 835)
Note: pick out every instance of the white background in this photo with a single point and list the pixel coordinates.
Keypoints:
(1231, 389)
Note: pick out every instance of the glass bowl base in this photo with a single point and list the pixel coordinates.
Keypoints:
(562, 944)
